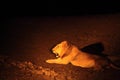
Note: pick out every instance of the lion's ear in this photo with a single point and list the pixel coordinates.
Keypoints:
(65, 41)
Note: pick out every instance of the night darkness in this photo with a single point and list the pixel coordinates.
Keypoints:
(27, 36)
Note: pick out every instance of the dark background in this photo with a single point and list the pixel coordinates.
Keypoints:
(28, 34)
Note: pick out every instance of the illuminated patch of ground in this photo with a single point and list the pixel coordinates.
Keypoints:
(27, 70)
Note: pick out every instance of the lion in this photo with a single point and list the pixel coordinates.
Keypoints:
(68, 53)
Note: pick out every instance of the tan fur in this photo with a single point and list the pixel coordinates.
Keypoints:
(68, 53)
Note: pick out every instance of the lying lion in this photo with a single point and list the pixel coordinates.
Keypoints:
(68, 53)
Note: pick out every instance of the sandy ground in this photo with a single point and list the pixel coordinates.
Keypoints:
(26, 44)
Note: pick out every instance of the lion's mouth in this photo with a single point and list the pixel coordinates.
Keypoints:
(57, 55)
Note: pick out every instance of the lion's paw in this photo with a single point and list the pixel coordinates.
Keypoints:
(49, 61)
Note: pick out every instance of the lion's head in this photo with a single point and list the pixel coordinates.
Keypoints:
(61, 49)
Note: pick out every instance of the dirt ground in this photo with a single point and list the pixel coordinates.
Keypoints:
(26, 43)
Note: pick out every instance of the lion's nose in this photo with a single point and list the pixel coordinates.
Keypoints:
(53, 51)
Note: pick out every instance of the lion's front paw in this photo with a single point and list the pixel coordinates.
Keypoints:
(49, 61)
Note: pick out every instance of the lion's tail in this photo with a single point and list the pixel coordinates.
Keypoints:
(113, 59)
(115, 66)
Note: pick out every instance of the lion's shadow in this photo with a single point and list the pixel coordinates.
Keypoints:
(96, 48)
